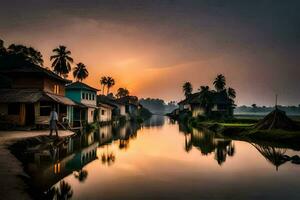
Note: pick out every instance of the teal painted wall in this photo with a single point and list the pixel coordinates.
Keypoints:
(75, 95)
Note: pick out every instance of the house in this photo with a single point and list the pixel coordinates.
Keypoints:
(86, 97)
(131, 106)
(117, 108)
(220, 105)
(30, 93)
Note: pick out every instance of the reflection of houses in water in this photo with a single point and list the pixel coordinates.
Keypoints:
(207, 143)
(48, 166)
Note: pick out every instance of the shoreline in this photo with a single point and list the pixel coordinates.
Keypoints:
(11, 169)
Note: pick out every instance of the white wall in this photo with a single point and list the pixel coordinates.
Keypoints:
(105, 114)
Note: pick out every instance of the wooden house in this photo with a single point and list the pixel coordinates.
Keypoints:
(118, 109)
(86, 97)
(30, 93)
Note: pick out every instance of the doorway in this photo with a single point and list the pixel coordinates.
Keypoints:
(30, 117)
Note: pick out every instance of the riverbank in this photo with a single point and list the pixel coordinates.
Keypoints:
(11, 169)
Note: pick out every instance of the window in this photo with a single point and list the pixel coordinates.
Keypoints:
(13, 109)
(90, 96)
(45, 108)
(82, 95)
(86, 96)
(56, 89)
(102, 112)
(93, 97)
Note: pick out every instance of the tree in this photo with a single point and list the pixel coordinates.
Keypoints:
(205, 98)
(103, 82)
(27, 53)
(122, 92)
(220, 82)
(65, 191)
(80, 72)
(2, 48)
(231, 93)
(62, 60)
(187, 89)
(110, 83)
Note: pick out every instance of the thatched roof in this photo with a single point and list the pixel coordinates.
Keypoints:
(277, 119)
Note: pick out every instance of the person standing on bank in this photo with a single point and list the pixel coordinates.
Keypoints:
(53, 121)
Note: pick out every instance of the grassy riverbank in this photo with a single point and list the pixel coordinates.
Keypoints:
(243, 129)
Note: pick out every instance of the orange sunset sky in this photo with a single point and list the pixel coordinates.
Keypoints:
(152, 47)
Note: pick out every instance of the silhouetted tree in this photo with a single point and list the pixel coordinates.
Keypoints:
(28, 53)
(122, 92)
(110, 83)
(80, 72)
(205, 98)
(62, 60)
(187, 89)
(103, 82)
(2, 48)
(231, 93)
(220, 82)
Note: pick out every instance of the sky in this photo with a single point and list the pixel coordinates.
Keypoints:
(152, 47)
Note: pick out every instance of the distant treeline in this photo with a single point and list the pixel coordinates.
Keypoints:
(158, 106)
(254, 109)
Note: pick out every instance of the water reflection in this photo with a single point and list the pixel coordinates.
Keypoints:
(207, 143)
(145, 157)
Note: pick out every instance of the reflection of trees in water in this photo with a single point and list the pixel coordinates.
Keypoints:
(81, 175)
(108, 158)
(63, 192)
(276, 156)
(207, 143)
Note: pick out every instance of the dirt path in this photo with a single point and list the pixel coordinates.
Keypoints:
(11, 185)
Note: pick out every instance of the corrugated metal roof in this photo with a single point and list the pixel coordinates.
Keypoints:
(20, 95)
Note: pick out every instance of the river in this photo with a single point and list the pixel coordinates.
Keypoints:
(164, 160)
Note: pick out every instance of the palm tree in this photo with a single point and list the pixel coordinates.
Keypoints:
(122, 92)
(203, 89)
(231, 93)
(80, 72)
(62, 60)
(110, 83)
(220, 82)
(103, 82)
(187, 89)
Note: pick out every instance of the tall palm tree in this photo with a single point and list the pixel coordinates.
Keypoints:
(231, 93)
(103, 82)
(80, 72)
(187, 89)
(62, 60)
(122, 92)
(110, 83)
(65, 191)
(220, 82)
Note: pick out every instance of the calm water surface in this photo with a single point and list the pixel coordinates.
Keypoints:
(162, 160)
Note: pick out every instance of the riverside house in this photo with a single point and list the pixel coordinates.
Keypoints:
(108, 103)
(86, 97)
(29, 93)
(221, 105)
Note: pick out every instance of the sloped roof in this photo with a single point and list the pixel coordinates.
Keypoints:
(105, 105)
(28, 67)
(216, 97)
(79, 85)
(107, 100)
(20, 95)
(31, 96)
